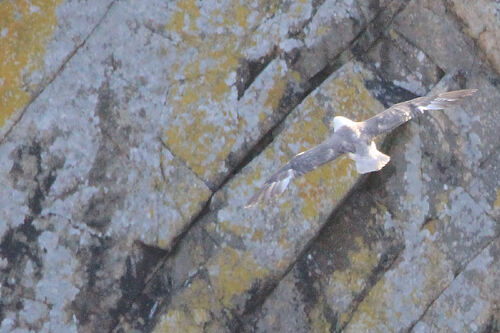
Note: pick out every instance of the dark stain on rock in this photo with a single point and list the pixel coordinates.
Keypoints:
(233, 321)
(86, 304)
(374, 5)
(140, 263)
(16, 248)
(101, 207)
(112, 62)
(258, 293)
(386, 92)
(107, 168)
(249, 70)
(493, 324)
(331, 317)
(305, 281)
(27, 175)
(96, 262)
(144, 294)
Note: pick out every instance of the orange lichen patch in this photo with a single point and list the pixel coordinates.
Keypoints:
(234, 274)
(262, 116)
(200, 109)
(285, 208)
(190, 197)
(270, 154)
(25, 28)
(497, 201)
(322, 30)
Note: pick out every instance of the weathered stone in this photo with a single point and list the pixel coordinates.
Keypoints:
(482, 24)
(37, 39)
(425, 24)
(249, 252)
(470, 303)
(403, 65)
(326, 285)
(132, 133)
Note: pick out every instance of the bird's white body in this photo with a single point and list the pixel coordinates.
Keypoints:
(367, 157)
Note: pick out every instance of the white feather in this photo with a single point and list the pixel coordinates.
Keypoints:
(369, 159)
(340, 121)
(284, 183)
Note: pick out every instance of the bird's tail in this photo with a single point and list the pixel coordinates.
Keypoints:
(369, 159)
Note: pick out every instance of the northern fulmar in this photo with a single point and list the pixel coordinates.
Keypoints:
(356, 140)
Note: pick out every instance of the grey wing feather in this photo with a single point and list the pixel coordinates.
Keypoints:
(300, 164)
(400, 113)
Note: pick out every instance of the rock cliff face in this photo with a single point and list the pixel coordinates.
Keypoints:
(133, 132)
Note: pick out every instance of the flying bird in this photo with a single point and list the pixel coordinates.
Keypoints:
(356, 140)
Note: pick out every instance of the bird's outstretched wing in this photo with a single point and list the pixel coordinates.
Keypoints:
(400, 113)
(300, 164)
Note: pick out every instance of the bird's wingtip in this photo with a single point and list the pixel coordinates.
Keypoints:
(272, 188)
(470, 91)
(254, 201)
(249, 204)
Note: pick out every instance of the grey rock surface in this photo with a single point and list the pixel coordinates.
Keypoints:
(132, 134)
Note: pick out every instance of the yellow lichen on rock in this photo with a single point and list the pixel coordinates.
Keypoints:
(350, 99)
(332, 180)
(233, 273)
(193, 98)
(190, 196)
(25, 28)
(353, 279)
(496, 205)
(276, 93)
(187, 10)
(203, 97)
(318, 319)
(311, 130)
(370, 311)
(235, 229)
(192, 310)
